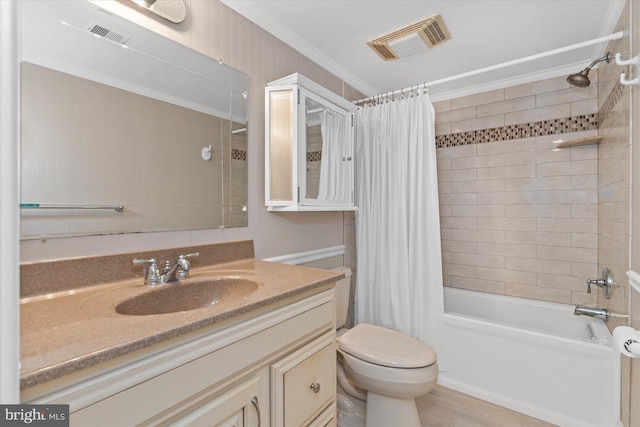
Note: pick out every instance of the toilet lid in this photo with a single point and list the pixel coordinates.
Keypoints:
(386, 347)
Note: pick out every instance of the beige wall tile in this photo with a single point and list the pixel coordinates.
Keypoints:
(539, 293)
(538, 211)
(500, 147)
(544, 113)
(476, 124)
(538, 265)
(519, 171)
(538, 237)
(588, 106)
(478, 235)
(479, 211)
(518, 224)
(502, 275)
(478, 260)
(516, 104)
(459, 222)
(478, 99)
(534, 88)
(490, 286)
(521, 251)
(569, 95)
(463, 163)
(456, 115)
(568, 225)
(479, 186)
(452, 152)
(457, 175)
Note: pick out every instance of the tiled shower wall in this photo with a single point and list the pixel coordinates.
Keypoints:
(518, 214)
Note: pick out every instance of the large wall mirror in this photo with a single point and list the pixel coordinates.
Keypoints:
(124, 130)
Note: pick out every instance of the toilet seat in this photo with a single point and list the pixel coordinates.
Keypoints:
(386, 347)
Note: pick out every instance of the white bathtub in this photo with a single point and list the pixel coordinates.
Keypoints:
(530, 356)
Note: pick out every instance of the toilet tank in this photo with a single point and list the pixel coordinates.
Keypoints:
(343, 286)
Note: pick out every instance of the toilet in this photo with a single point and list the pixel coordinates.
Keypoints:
(386, 368)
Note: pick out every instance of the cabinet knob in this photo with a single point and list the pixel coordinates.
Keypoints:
(315, 387)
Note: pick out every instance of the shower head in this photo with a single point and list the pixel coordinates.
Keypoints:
(581, 79)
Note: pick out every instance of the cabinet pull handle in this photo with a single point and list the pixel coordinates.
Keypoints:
(254, 400)
(315, 387)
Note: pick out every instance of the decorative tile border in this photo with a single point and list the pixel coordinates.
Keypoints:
(238, 154)
(314, 156)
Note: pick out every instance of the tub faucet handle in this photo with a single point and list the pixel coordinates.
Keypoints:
(605, 282)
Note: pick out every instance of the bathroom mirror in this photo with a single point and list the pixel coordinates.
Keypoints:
(115, 115)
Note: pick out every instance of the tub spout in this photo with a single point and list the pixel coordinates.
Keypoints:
(600, 313)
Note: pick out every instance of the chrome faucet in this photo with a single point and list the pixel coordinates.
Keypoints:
(600, 313)
(171, 273)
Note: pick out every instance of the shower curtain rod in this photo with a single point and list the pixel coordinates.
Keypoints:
(614, 36)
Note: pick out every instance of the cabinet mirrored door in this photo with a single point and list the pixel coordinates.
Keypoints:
(327, 155)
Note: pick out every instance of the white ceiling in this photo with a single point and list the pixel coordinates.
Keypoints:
(334, 33)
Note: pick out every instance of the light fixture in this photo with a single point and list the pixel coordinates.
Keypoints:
(171, 10)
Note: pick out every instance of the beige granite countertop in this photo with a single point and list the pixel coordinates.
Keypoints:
(65, 332)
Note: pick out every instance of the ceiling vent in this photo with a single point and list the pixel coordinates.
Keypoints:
(431, 31)
(100, 31)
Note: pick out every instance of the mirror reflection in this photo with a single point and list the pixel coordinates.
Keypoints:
(155, 127)
(328, 152)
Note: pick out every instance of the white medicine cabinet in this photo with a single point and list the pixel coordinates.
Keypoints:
(309, 153)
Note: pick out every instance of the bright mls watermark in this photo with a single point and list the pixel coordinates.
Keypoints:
(34, 415)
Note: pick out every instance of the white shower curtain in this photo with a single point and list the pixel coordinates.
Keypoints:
(399, 276)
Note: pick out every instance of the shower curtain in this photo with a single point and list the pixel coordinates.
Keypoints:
(399, 265)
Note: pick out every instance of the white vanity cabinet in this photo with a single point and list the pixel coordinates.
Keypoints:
(247, 374)
(309, 153)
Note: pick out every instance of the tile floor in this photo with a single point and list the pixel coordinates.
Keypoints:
(444, 407)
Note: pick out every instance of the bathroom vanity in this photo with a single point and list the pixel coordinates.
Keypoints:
(261, 358)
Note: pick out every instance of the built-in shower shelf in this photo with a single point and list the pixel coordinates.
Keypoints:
(581, 141)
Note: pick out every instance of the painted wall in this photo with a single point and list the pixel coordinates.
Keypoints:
(219, 32)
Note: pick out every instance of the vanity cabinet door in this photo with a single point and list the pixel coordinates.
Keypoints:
(304, 384)
(238, 407)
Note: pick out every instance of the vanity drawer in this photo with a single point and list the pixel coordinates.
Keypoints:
(304, 383)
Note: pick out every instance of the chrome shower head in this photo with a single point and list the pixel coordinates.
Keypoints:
(581, 79)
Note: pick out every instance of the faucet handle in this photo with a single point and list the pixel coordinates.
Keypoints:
(152, 272)
(192, 255)
(185, 265)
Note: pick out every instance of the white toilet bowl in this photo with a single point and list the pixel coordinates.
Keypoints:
(393, 368)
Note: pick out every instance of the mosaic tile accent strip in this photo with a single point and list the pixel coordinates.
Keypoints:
(524, 130)
(314, 156)
(238, 154)
(608, 114)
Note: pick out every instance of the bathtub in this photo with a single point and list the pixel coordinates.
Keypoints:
(534, 357)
